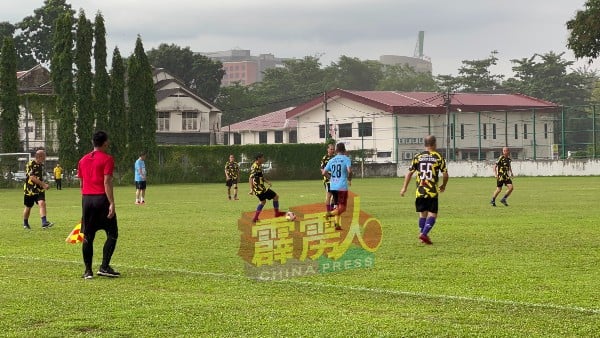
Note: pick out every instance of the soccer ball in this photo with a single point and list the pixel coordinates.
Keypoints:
(290, 216)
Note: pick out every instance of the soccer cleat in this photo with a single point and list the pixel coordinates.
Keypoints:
(425, 239)
(108, 272)
(229, 198)
(492, 203)
(88, 274)
(236, 198)
(143, 202)
(503, 201)
(279, 213)
(337, 226)
(47, 225)
(137, 202)
(26, 227)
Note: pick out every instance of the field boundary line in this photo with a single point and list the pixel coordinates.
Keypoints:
(335, 286)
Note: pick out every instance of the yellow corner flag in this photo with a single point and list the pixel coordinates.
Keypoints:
(75, 236)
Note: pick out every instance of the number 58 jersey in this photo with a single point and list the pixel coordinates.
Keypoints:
(427, 165)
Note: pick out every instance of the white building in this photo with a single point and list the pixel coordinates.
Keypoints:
(390, 125)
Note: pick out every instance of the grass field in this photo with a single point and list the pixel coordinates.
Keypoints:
(530, 269)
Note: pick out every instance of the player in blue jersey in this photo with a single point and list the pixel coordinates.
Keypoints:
(427, 164)
(339, 172)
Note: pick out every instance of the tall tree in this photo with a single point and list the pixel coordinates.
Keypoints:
(37, 30)
(199, 73)
(584, 37)
(405, 78)
(117, 124)
(62, 78)
(85, 108)
(101, 79)
(142, 102)
(238, 103)
(9, 99)
(354, 74)
(24, 58)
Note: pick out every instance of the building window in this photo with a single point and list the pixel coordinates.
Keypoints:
(345, 130)
(293, 136)
(485, 131)
(262, 137)
(321, 131)
(524, 131)
(462, 131)
(494, 131)
(545, 130)
(237, 138)
(189, 120)
(516, 131)
(162, 122)
(278, 136)
(365, 129)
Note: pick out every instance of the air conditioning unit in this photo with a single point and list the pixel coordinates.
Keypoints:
(407, 155)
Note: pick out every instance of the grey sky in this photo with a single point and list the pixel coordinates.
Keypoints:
(454, 30)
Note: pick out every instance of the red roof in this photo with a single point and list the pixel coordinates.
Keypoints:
(428, 102)
(272, 121)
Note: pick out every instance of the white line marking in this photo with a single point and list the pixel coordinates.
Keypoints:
(344, 287)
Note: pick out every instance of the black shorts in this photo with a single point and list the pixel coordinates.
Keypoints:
(231, 182)
(426, 204)
(140, 185)
(266, 195)
(95, 216)
(30, 200)
(501, 182)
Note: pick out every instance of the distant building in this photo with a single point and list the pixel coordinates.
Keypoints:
(270, 128)
(182, 116)
(420, 65)
(240, 66)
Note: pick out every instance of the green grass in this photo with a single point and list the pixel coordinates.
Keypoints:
(530, 269)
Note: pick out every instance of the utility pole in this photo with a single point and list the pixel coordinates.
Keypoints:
(447, 102)
(327, 135)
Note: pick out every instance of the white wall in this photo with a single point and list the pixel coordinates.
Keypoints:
(520, 168)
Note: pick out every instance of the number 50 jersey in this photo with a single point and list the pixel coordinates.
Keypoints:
(428, 165)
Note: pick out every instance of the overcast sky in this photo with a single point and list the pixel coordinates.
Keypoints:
(454, 30)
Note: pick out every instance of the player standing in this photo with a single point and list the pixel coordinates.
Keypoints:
(35, 189)
(427, 164)
(232, 173)
(503, 173)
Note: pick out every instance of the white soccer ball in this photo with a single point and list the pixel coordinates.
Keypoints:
(290, 216)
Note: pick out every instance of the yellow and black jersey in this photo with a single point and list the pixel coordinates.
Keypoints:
(428, 165)
(33, 169)
(503, 167)
(324, 161)
(256, 174)
(232, 169)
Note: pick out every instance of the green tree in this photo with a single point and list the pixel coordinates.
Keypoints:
(353, 74)
(142, 102)
(37, 30)
(118, 125)
(474, 76)
(9, 100)
(584, 36)
(197, 72)
(85, 108)
(62, 78)
(547, 76)
(238, 103)
(405, 78)
(101, 79)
